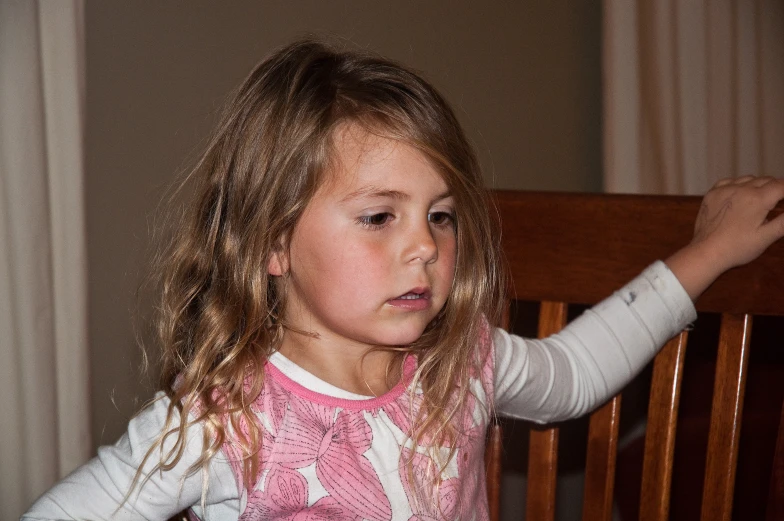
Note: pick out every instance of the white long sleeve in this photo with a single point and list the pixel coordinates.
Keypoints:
(95, 490)
(571, 373)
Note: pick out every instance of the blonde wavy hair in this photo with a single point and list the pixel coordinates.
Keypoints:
(219, 317)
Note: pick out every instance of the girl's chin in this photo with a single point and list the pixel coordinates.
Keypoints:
(402, 338)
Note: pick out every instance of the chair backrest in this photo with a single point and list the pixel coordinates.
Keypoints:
(566, 249)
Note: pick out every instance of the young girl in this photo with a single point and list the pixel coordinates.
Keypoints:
(326, 314)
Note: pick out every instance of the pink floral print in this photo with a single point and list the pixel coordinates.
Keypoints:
(402, 412)
(471, 469)
(285, 498)
(273, 401)
(420, 490)
(336, 442)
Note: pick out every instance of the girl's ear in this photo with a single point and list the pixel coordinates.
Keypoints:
(278, 263)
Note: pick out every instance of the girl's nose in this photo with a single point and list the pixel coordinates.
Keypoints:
(421, 245)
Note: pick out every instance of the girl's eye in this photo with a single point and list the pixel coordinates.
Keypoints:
(441, 218)
(377, 220)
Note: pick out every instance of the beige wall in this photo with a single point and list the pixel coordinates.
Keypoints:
(523, 77)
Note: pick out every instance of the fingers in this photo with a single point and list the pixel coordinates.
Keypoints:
(746, 179)
(768, 189)
(753, 180)
(771, 190)
(734, 181)
(761, 181)
(774, 229)
(724, 182)
(735, 219)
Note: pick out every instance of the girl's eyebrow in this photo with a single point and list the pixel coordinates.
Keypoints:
(373, 192)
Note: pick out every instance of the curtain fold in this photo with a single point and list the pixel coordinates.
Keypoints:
(43, 317)
(693, 92)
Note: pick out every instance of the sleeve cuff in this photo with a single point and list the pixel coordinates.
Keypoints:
(672, 292)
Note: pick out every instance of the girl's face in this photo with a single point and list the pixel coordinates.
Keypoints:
(372, 258)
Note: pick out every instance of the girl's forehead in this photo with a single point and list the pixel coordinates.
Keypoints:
(361, 158)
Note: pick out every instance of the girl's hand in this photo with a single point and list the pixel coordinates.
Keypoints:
(732, 228)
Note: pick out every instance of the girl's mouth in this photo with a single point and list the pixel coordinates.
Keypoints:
(415, 300)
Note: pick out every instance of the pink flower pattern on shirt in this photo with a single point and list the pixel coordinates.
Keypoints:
(402, 413)
(336, 442)
(471, 469)
(420, 490)
(285, 498)
(273, 401)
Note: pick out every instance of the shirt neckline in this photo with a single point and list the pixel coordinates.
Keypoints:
(313, 388)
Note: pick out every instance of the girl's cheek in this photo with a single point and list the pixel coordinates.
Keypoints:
(448, 248)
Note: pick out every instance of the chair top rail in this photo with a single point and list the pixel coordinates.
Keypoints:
(616, 237)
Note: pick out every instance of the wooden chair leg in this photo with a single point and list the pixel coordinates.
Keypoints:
(493, 454)
(543, 444)
(660, 432)
(726, 415)
(600, 463)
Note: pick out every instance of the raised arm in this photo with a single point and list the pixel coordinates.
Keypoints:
(569, 374)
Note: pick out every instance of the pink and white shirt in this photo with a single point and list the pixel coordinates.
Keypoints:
(329, 454)
(335, 458)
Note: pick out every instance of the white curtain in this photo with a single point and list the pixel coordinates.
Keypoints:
(44, 401)
(693, 92)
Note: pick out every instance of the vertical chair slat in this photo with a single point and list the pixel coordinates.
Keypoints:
(493, 451)
(600, 462)
(543, 445)
(726, 413)
(775, 508)
(542, 467)
(660, 432)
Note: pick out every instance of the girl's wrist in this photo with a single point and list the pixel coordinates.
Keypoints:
(696, 266)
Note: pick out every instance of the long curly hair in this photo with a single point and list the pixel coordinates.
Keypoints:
(220, 314)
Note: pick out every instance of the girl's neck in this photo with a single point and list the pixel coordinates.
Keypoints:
(373, 374)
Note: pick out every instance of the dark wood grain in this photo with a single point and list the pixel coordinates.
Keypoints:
(600, 462)
(542, 471)
(775, 507)
(494, 449)
(493, 453)
(543, 444)
(726, 413)
(660, 432)
(615, 237)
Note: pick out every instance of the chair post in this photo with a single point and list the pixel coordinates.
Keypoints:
(494, 448)
(726, 414)
(543, 444)
(493, 453)
(600, 463)
(660, 432)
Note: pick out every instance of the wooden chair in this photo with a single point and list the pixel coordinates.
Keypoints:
(564, 249)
